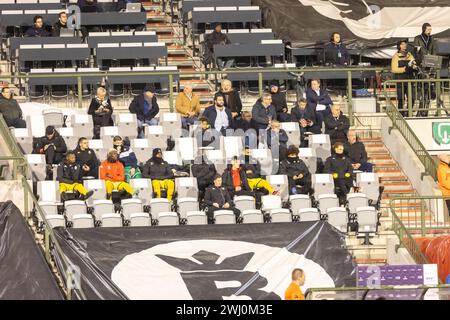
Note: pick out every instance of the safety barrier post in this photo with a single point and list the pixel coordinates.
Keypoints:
(171, 92)
(80, 92)
(409, 99)
(349, 97)
(260, 83)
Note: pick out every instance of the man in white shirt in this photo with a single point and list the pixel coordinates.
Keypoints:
(219, 117)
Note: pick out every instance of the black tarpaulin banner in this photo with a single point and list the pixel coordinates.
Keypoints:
(243, 261)
(362, 23)
(24, 273)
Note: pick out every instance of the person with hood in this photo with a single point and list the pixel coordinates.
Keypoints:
(235, 179)
(232, 98)
(319, 100)
(337, 125)
(161, 174)
(37, 30)
(335, 51)
(299, 177)
(145, 106)
(53, 146)
(188, 106)
(307, 120)
(279, 102)
(212, 39)
(113, 172)
(86, 159)
(10, 109)
(217, 197)
(101, 111)
(252, 168)
(356, 152)
(219, 117)
(443, 175)
(263, 112)
(340, 167)
(127, 157)
(205, 171)
(206, 137)
(69, 177)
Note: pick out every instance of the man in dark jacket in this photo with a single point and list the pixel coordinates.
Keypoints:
(205, 171)
(10, 109)
(216, 198)
(212, 39)
(279, 102)
(341, 168)
(307, 120)
(319, 100)
(86, 159)
(69, 178)
(356, 152)
(205, 136)
(101, 110)
(61, 24)
(235, 179)
(37, 30)
(263, 112)
(232, 98)
(219, 117)
(161, 174)
(278, 136)
(53, 146)
(336, 125)
(335, 51)
(145, 106)
(424, 43)
(299, 177)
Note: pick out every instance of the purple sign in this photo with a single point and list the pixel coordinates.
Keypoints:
(398, 275)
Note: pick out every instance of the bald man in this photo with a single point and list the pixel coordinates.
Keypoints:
(188, 106)
(356, 152)
(293, 292)
(232, 98)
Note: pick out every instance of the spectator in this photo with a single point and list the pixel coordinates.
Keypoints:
(335, 51)
(252, 168)
(37, 30)
(69, 177)
(145, 106)
(161, 174)
(356, 152)
(53, 146)
(264, 112)
(337, 125)
(307, 120)
(216, 198)
(205, 136)
(205, 171)
(10, 109)
(128, 158)
(293, 292)
(212, 39)
(279, 102)
(86, 159)
(232, 98)
(341, 168)
(246, 122)
(61, 24)
(319, 100)
(188, 106)
(112, 171)
(101, 111)
(235, 179)
(277, 135)
(219, 117)
(443, 175)
(299, 177)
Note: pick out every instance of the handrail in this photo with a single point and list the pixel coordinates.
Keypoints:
(19, 161)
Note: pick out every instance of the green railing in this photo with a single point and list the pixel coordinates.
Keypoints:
(19, 163)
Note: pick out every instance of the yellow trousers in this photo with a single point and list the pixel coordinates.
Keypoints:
(167, 184)
(75, 187)
(260, 183)
(119, 186)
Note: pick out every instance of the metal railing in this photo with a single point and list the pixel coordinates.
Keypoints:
(19, 163)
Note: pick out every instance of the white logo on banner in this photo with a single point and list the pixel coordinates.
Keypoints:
(214, 269)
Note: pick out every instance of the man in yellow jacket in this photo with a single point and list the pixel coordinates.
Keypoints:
(443, 173)
(188, 106)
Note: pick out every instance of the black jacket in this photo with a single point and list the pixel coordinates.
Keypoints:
(204, 172)
(89, 158)
(251, 166)
(137, 107)
(356, 152)
(56, 29)
(294, 168)
(10, 109)
(211, 113)
(95, 104)
(34, 32)
(332, 51)
(153, 170)
(216, 38)
(313, 99)
(279, 101)
(339, 165)
(69, 173)
(308, 114)
(245, 125)
(57, 141)
(232, 100)
(227, 179)
(217, 195)
(261, 114)
(337, 128)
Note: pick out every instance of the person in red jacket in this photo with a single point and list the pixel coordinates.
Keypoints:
(113, 172)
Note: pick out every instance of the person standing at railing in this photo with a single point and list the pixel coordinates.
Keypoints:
(10, 110)
(403, 65)
(443, 173)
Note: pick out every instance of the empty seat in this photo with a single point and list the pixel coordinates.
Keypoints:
(53, 117)
(140, 219)
(24, 139)
(322, 183)
(196, 218)
(48, 191)
(271, 202)
(142, 150)
(111, 220)
(233, 146)
(144, 186)
(299, 201)
(217, 157)
(356, 200)
(252, 216)
(73, 207)
(99, 188)
(367, 218)
(328, 200)
(224, 217)
(82, 221)
(159, 205)
(187, 147)
(82, 125)
(264, 156)
(49, 208)
(101, 207)
(321, 145)
(338, 218)
(156, 137)
(292, 130)
(69, 137)
(369, 184)
(56, 220)
(186, 187)
(171, 123)
(37, 166)
(186, 205)
(172, 157)
(280, 215)
(100, 148)
(243, 203)
(308, 156)
(130, 206)
(168, 219)
(308, 214)
(107, 134)
(280, 183)
(127, 125)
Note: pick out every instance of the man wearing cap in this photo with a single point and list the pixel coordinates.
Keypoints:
(113, 172)
(10, 109)
(279, 102)
(145, 106)
(161, 174)
(342, 170)
(53, 146)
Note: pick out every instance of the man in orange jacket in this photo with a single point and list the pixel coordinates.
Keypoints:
(113, 172)
(293, 292)
(443, 173)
